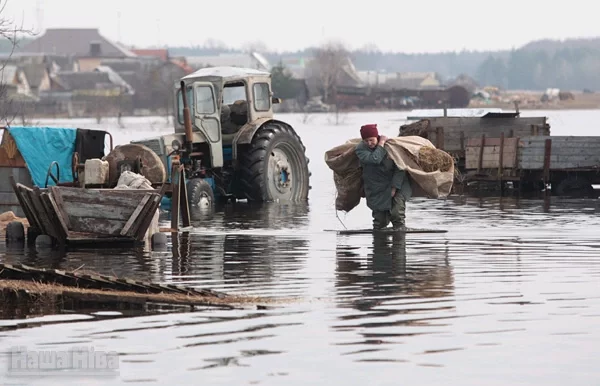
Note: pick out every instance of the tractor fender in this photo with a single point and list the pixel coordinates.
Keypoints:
(246, 132)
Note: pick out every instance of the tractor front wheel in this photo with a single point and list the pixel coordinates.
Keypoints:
(200, 194)
(275, 166)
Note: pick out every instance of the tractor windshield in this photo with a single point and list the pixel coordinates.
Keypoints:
(190, 101)
(234, 92)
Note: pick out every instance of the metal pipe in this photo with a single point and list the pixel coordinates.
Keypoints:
(187, 119)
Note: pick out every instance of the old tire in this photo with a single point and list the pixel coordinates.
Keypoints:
(200, 194)
(15, 232)
(275, 166)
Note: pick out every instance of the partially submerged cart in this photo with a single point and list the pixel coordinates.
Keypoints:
(59, 180)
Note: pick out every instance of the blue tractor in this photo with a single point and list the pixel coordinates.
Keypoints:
(227, 140)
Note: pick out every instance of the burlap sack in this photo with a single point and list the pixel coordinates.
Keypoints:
(347, 176)
(404, 151)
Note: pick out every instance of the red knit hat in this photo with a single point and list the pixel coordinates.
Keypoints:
(369, 131)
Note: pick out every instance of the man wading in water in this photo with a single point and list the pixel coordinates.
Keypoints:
(387, 188)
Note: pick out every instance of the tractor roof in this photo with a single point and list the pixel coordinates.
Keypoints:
(226, 73)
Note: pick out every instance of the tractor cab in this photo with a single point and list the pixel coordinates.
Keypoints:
(222, 101)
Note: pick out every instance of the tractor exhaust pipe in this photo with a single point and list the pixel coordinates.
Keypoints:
(187, 119)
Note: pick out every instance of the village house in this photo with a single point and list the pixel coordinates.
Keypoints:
(14, 81)
(86, 45)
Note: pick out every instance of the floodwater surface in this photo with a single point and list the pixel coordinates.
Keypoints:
(509, 295)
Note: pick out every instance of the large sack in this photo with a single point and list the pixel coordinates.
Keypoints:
(347, 176)
(431, 170)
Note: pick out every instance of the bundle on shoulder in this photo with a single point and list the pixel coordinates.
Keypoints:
(431, 170)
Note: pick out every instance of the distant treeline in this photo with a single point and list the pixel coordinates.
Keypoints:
(571, 64)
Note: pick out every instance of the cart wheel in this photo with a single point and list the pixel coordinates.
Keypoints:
(51, 175)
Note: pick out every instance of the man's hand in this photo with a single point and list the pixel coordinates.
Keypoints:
(393, 192)
(382, 140)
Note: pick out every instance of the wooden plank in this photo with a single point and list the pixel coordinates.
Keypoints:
(384, 231)
(568, 152)
(9, 153)
(476, 142)
(547, 153)
(153, 206)
(481, 149)
(60, 206)
(501, 161)
(22, 201)
(31, 208)
(457, 128)
(491, 158)
(146, 220)
(183, 201)
(135, 214)
(477, 123)
(439, 137)
(109, 197)
(77, 209)
(40, 213)
(175, 196)
(46, 214)
(62, 232)
(96, 226)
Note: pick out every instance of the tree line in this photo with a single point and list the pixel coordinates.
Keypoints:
(572, 64)
(566, 68)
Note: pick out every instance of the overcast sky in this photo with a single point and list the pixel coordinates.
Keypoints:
(415, 26)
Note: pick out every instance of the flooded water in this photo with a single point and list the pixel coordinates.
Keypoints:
(509, 295)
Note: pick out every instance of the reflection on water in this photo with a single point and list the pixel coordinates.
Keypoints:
(397, 294)
(492, 290)
(232, 263)
(509, 295)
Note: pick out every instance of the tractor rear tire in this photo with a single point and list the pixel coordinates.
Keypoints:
(275, 167)
(200, 194)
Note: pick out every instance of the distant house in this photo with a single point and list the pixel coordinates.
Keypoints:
(162, 54)
(252, 60)
(415, 80)
(38, 77)
(401, 80)
(93, 83)
(152, 78)
(87, 45)
(14, 82)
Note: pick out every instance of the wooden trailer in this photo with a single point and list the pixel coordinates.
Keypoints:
(452, 134)
(501, 147)
(568, 165)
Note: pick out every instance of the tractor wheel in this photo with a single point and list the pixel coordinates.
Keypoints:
(200, 194)
(275, 166)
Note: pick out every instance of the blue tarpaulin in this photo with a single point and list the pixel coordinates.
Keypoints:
(40, 146)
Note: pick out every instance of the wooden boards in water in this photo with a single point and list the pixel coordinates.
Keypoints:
(384, 231)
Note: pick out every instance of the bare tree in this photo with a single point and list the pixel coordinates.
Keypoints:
(10, 32)
(255, 46)
(331, 60)
(162, 81)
